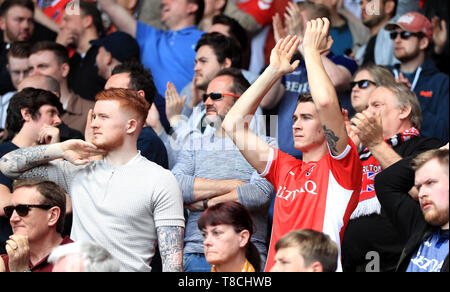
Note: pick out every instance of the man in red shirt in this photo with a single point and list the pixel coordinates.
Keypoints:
(320, 192)
(36, 214)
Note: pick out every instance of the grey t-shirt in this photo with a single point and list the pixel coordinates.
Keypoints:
(219, 159)
(120, 207)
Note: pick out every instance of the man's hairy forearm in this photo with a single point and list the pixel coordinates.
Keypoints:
(207, 188)
(171, 242)
(18, 161)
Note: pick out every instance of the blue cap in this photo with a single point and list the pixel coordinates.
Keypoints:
(121, 45)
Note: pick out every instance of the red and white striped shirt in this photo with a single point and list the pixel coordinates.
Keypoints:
(319, 195)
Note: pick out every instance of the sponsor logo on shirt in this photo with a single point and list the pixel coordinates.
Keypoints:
(310, 187)
(426, 93)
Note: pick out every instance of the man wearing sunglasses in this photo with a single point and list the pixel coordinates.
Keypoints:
(33, 117)
(412, 34)
(388, 130)
(36, 214)
(214, 171)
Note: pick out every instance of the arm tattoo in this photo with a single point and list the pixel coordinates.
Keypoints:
(13, 164)
(332, 140)
(170, 242)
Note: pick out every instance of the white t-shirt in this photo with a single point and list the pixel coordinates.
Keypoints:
(120, 207)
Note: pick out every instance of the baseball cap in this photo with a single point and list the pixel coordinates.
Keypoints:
(413, 22)
(121, 45)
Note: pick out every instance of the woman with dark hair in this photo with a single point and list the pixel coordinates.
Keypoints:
(227, 229)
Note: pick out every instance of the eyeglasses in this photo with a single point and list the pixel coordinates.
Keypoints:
(22, 210)
(362, 84)
(217, 96)
(404, 35)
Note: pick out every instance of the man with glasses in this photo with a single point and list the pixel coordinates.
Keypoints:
(412, 34)
(36, 215)
(33, 118)
(375, 14)
(388, 130)
(186, 115)
(212, 170)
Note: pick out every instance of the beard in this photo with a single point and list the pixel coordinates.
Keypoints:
(110, 143)
(436, 216)
(406, 57)
(374, 20)
(214, 121)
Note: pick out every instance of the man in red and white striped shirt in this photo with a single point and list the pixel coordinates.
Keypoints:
(321, 191)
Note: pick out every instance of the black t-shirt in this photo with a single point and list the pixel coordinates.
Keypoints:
(83, 78)
(369, 55)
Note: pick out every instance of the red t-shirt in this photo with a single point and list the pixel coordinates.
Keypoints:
(43, 265)
(261, 10)
(319, 195)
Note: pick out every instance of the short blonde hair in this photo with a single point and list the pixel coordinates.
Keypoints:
(313, 246)
(440, 154)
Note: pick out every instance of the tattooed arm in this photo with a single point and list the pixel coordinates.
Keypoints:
(14, 164)
(23, 162)
(315, 43)
(170, 242)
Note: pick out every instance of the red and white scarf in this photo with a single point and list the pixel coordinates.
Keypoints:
(368, 202)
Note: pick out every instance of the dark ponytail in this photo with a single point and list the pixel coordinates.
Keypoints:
(253, 256)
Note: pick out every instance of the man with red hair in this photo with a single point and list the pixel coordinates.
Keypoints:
(123, 202)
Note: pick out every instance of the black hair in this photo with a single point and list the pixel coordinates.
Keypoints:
(235, 29)
(223, 47)
(32, 99)
(240, 83)
(7, 4)
(140, 78)
(60, 51)
(200, 10)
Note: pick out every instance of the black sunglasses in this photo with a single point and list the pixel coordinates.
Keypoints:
(362, 83)
(22, 210)
(217, 95)
(404, 35)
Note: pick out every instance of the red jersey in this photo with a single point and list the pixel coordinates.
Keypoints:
(319, 195)
(261, 10)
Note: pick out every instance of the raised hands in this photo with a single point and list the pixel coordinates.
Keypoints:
(294, 23)
(280, 58)
(368, 127)
(439, 34)
(316, 37)
(174, 104)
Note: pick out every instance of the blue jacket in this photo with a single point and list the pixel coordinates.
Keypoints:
(431, 89)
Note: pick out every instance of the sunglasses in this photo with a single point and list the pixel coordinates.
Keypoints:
(404, 35)
(22, 210)
(217, 96)
(362, 83)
